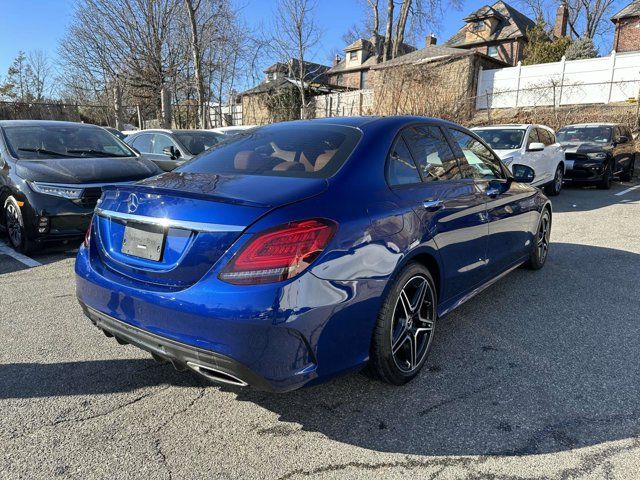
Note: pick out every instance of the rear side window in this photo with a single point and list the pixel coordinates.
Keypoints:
(401, 170)
(432, 153)
(142, 143)
(533, 137)
(284, 150)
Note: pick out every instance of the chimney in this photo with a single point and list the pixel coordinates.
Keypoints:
(336, 60)
(562, 16)
(430, 40)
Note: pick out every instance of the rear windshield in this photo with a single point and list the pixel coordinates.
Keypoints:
(585, 134)
(309, 151)
(507, 139)
(197, 142)
(42, 142)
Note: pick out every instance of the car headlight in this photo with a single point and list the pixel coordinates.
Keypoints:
(64, 191)
(597, 156)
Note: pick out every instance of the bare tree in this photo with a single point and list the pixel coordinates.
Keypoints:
(40, 71)
(386, 50)
(295, 32)
(587, 15)
(401, 26)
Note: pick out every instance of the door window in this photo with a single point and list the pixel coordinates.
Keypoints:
(160, 142)
(533, 137)
(478, 161)
(401, 170)
(544, 136)
(142, 143)
(432, 153)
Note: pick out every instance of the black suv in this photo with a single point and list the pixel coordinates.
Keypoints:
(51, 177)
(171, 148)
(596, 152)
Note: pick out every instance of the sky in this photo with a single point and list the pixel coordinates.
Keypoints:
(40, 24)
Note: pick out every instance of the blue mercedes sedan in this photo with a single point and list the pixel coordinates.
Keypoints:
(299, 251)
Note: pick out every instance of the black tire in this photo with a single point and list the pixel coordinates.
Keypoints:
(554, 188)
(628, 175)
(14, 225)
(605, 183)
(400, 345)
(540, 248)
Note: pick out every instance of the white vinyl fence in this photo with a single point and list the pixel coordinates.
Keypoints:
(615, 78)
(358, 102)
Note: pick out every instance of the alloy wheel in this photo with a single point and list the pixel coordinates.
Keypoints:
(559, 178)
(14, 226)
(413, 324)
(542, 240)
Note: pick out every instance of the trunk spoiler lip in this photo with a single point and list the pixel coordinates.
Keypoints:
(135, 188)
(169, 222)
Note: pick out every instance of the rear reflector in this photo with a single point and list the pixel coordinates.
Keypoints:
(279, 253)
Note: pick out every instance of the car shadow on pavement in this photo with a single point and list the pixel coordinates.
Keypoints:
(540, 362)
(35, 380)
(580, 199)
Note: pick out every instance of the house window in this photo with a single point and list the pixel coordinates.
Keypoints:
(339, 79)
(363, 78)
(271, 76)
(492, 51)
(476, 26)
(353, 55)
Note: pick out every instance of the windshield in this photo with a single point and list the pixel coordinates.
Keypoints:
(309, 151)
(42, 142)
(197, 142)
(506, 139)
(585, 134)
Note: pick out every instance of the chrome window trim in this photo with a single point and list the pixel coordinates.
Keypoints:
(168, 222)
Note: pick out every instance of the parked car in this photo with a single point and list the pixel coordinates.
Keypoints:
(596, 152)
(171, 148)
(116, 132)
(531, 145)
(52, 174)
(228, 131)
(308, 249)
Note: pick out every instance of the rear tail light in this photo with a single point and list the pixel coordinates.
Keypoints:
(87, 235)
(279, 253)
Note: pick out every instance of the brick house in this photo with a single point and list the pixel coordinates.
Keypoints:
(438, 81)
(627, 24)
(498, 31)
(276, 98)
(352, 71)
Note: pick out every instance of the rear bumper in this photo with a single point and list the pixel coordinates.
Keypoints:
(275, 337)
(211, 365)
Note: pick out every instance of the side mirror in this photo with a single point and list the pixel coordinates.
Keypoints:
(171, 151)
(523, 173)
(535, 147)
(622, 139)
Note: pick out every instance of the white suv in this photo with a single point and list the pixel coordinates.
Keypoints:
(531, 145)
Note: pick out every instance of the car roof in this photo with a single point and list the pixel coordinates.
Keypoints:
(604, 124)
(508, 125)
(174, 130)
(34, 123)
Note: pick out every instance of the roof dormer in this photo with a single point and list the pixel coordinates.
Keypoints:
(482, 23)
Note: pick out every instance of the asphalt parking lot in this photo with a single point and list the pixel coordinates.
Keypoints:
(538, 377)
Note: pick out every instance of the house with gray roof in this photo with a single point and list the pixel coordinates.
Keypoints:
(627, 24)
(498, 30)
(352, 71)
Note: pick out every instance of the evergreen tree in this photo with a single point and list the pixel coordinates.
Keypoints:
(580, 49)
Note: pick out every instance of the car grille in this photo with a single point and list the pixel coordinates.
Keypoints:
(90, 197)
(575, 156)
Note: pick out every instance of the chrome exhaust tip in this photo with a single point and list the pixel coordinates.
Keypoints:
(216, 375)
